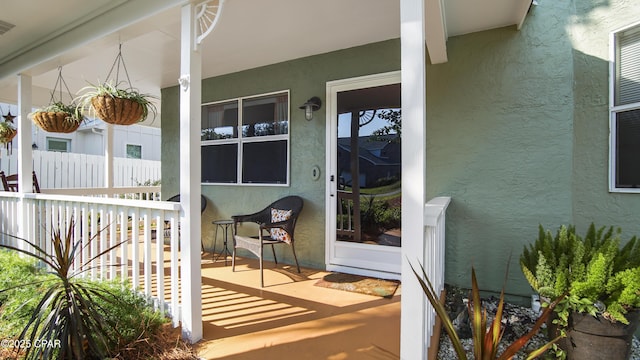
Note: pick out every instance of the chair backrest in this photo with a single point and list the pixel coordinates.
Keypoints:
(203, 201)
(10, 182)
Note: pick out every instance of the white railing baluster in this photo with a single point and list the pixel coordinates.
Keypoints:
(135, 249)
(93, 221)
(124, 244)
(148, 254)
(83, 221)
(103, 242)
(113, 260)
(159, 262)
(175, 241)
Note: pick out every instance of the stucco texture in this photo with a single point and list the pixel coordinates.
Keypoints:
(517, 136)
(304, 78)
(590, 28)
(499, 142)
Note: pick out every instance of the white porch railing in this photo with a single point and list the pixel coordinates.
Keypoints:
(148, 231)
(434, 249)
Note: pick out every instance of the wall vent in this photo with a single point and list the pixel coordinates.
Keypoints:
(5, 26)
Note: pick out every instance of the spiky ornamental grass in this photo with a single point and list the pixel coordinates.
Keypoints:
(68, 313)
(486, 337)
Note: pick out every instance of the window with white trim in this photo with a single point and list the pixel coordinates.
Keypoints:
(625, 110)
(246, 140)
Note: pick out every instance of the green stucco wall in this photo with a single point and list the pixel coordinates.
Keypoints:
(590, 28)
(304, 78)
(517, 136)
(499, 142)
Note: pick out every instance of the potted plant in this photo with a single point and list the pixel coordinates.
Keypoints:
(602, 281)
(58, 117)
(116, 105)
(7, 132)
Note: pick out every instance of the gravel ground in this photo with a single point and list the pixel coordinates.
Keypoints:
(518, 321)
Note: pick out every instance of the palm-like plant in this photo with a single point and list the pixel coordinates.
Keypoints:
(67, 318)
(485, 338)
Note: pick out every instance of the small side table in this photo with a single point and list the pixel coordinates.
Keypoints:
(224, 225)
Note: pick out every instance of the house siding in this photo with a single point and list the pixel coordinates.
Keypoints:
(499, 143)
(518, 134)
(590, 28)
(304, 78)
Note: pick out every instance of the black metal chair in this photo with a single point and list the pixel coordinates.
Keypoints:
(277, 224)
(176, 198)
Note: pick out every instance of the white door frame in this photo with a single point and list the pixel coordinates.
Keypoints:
(362, 259)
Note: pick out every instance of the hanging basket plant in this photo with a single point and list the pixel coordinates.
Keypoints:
(7, 131)
(58, 117)
(116, 102)
(116, 105)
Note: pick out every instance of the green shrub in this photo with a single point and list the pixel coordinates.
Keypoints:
(84, 319)
(22, 285)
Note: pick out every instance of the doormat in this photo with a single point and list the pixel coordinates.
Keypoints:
(359, 284)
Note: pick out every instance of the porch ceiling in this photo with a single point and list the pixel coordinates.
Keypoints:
(83, 36)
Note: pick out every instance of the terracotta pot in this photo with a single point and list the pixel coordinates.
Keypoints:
(117, 111)
(590, 337)
(55, 122)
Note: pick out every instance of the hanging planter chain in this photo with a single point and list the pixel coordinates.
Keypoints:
(58, 117)
(59, 82)
(117, 62)
(116, 104)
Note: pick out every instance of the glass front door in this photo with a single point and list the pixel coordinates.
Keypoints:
(365, 183)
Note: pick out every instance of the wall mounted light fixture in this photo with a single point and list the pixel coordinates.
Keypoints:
(310, 106)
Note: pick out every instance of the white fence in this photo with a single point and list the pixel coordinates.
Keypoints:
(434, 249)
(57, 170)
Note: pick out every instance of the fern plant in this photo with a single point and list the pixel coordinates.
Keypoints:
(599, 276)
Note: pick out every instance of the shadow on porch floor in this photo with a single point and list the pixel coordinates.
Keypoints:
(290, 318)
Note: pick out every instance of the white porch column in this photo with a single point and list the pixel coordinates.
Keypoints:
(190, 125)
(413, 66)
(25, 154)
(108, 157)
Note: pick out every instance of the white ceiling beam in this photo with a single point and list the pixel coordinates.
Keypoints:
(435, 31)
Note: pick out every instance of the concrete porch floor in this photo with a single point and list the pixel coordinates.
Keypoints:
(290, 318)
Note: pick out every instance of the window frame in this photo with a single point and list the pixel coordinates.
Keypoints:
(126, 151)
(67, 141)
(241, 140)
(615, 109)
